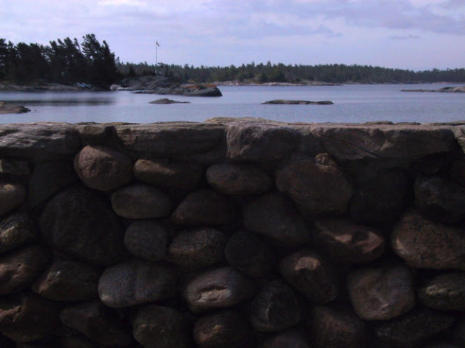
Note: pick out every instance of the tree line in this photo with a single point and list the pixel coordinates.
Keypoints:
(262, 73)
(69, 61)
(66, 61)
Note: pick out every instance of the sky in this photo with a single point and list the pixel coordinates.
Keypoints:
(412, 34)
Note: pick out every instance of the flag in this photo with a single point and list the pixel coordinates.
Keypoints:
(156, 43)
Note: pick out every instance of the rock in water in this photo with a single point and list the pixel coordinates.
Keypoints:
(79, 223)
(168, 101)
(298, 102)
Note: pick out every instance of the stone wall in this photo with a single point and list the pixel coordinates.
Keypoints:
(232, 233)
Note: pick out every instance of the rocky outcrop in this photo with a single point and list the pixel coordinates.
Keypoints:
(460, 89)
(298, 102)
(12, 109)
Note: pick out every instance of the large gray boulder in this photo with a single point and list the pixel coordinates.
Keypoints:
(98, 323)
(426, 244)
(204, 208)
(68, 281)
(139, 201)
(235, 179)
(346, 242)
(102, 168)
(28, 317)
(225, 329)
(79, 222)
(39, 141)
(12, 195)
(218, 288)
(317, 185)
(252, 141)
(161, 327)
(136, 282)
(169, 174)
(20, 268)
(274, 216)
(15, 231)
(311, 275)
(381, 293)
(146, 239)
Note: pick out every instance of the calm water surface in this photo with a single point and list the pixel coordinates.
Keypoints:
(353, 103)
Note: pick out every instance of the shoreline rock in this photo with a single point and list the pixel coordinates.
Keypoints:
(7, 108)
(448, 89)
(168, 101)
(298, 102)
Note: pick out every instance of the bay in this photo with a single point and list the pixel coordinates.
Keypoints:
(352, 103)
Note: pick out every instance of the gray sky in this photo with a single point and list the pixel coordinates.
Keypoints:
(415, 34)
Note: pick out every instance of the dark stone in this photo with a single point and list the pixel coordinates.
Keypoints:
(426, 244)
(68, 281)
(13, 167)
(204, 207)
(11, 197)
(287, 339)
(403, 142)
(15, 231)
(238, 179)
(48, 178)
(169, 174)
(161, 327)
(252, 141)
(136, 282)
(311, 275)
(316, 185)
(20, 268)
(381, 200)
(347, 242)
(274, 216)
(97, 133)
(102, 168)
(75, 341)
(167, 101)
(413, 329)
(297, 102)
(197, 248)
(169, 139)
(225, 329)
(27, 318)
(336, 328)
(147, 240)
(249, 254)
(141, 202)
(39, 141)
(457, 171)
(381, 293)
(79, 223)
(97, 322)
(275, 308)
(219, 288)
(459, 330)
(444, 292)
(440, 200)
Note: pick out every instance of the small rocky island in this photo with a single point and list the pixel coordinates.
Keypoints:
(460, 89)
(164, 85)
(168, 101)
(298, 102)
(7, 108)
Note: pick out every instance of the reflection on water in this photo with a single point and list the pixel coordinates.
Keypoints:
(64, 102)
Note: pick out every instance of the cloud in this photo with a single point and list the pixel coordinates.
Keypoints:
(405, 37)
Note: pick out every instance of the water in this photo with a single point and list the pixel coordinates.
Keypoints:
(353, 103)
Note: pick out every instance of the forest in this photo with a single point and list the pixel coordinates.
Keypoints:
(262, 73)
(90, 61)
(66, 61)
